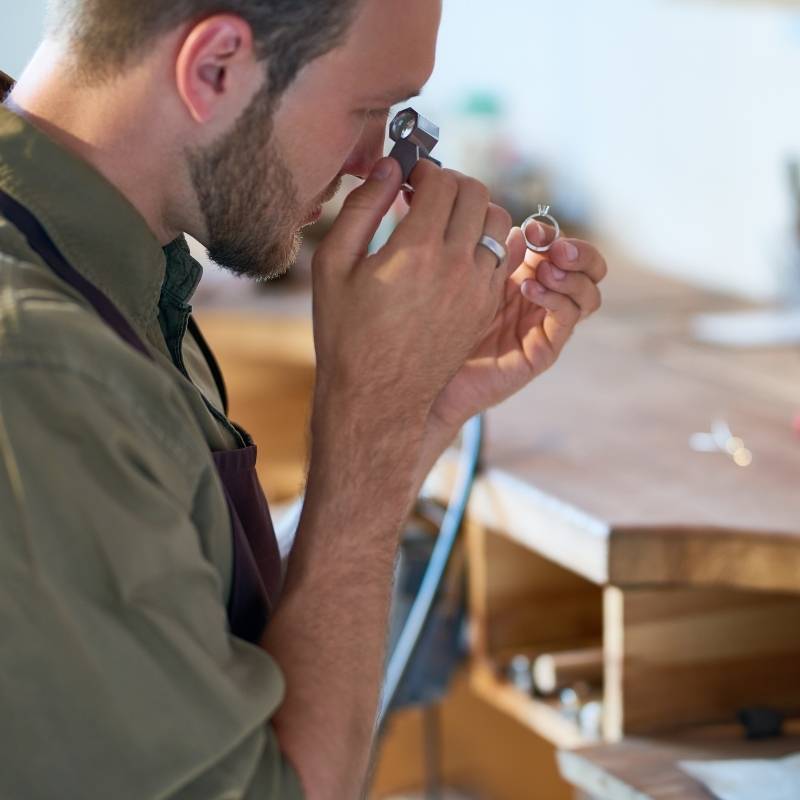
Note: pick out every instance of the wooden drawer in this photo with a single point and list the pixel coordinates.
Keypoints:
(672, 657)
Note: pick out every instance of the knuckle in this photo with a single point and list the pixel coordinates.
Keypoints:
(449, 181)
(461, 253)
(453, 174)
(496, 222)
(481, 192)
(420, 257)
(501, 217)
(508, 220)
(358, 201)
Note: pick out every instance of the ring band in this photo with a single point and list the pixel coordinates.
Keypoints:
(495, 248)
(544, 214)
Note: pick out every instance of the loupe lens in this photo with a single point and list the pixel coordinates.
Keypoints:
(403, 125)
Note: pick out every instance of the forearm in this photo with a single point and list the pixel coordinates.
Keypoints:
(436, 440)
(329, 633)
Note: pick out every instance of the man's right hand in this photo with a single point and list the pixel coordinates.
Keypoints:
(392, 328)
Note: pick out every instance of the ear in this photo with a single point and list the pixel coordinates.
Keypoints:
(216, 70)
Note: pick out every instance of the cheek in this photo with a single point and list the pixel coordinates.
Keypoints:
(320, 157)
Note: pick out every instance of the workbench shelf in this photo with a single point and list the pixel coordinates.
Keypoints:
(543, 716)
(524, 605)
(670, 658)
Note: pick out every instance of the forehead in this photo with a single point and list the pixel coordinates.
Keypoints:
(391, 47)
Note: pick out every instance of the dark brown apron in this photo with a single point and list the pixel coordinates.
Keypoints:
(256, 576)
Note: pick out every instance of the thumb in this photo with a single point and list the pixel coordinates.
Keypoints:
(352, 231)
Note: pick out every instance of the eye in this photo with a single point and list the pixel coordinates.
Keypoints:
(378, 113)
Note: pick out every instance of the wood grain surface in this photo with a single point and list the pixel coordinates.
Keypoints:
(647, 769)
(591, 464)
(677, 658)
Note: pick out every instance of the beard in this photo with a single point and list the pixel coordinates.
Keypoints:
(248, 198)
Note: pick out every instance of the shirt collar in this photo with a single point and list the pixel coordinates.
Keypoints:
(96, 228)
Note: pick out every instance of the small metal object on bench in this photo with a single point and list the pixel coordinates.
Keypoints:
(555, 671)
(762, 723)
(519, 673)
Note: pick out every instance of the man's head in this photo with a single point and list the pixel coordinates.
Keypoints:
(263, 104)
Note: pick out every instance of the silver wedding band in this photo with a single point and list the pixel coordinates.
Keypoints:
(495, 248)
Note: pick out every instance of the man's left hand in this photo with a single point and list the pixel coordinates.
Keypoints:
(546, 297)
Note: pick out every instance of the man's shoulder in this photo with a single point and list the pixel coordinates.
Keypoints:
(51, 332)
(44, 321)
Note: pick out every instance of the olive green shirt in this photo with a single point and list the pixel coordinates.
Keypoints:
(119, 677)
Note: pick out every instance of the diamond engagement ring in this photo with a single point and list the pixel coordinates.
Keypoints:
(542, 214)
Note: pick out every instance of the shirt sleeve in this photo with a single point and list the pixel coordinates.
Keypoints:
(118, 675)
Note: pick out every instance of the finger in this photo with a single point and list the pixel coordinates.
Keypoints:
(504, 276)
(577, 256)
(523, 271)
(468, 222)
(497, 225)
(578, 286)
(435, 192)
(563, 315)
(348, 239)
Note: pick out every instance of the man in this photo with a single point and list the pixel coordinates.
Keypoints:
(143, 651)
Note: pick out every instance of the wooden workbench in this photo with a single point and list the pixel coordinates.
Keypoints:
(597, 450)
(645, 768)
(594, 521)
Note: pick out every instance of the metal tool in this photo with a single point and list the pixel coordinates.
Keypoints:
(722, 440)
(415, 136)
(519, 674)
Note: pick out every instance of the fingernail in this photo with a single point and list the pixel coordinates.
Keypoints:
(532, 289)
(558, 273)
(570, 251)
(539, 233)
(382, 170)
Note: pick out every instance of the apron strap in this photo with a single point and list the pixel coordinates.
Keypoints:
(41, 243)
(212, 362)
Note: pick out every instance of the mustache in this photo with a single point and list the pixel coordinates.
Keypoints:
(332, 192)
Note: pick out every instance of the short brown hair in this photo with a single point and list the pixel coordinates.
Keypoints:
(108, 35)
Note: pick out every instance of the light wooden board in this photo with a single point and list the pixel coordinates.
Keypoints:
(591, 466)
(646, 769)
(520, 599)
(679, 658)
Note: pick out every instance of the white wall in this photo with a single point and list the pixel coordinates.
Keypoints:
(19, 32)
(673, 116)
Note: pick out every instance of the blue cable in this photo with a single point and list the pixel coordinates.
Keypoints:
(469, 460)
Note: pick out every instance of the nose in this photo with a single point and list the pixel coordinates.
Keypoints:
(369, 149)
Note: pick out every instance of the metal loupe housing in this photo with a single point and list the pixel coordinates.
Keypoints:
(416, 136)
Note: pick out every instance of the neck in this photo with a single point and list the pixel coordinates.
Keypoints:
(107, 125)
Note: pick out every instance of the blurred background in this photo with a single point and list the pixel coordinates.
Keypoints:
(667, 125)
(653, 471)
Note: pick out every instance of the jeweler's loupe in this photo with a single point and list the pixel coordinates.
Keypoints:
(549, 231)
(415, 137)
